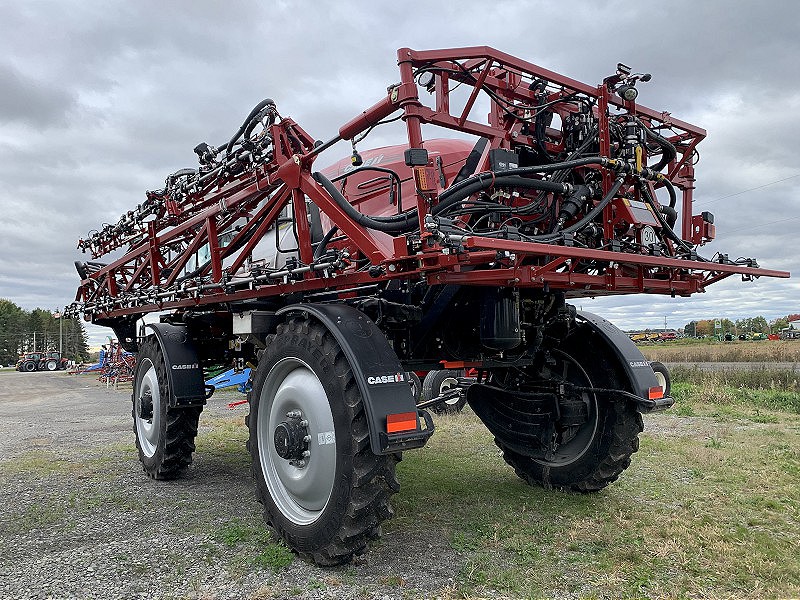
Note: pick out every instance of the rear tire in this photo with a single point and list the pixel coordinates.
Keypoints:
(601, 449)
(164, 435)
(437, 383)
(327, 504)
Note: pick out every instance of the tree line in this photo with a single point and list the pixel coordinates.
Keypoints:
(706, 327)
(38, 330)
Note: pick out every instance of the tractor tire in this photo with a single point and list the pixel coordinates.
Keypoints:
(29, 366)
(662, 375)
(323, 490)
(416, 385)
(438, 382)
(164, 435)
(601, 449)
(51, 365)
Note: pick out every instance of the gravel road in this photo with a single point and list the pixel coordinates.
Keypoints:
(79, 519)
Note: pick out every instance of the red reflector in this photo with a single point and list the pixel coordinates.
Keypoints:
(401, 422)
(656, 392)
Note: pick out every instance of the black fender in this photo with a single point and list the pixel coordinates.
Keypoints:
(633, 363)
(381, 378)
(184, 373)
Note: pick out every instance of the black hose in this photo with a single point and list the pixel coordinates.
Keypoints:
(580, 162)
(398, 223)
(320, 249)
(407, 221)
(583, 222)
(669, 153)
(668, 231)
(483, 181)
(253, 113)
(673, 196)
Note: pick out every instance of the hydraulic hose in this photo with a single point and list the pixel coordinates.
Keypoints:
(397, 224)
(588, 218)
(407, 221)
(580, 162)
(455, 194)
(668, 231)
(253, 113)
(323, 243)
(669, 152)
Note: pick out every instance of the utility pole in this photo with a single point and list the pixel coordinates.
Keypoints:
(57, 315)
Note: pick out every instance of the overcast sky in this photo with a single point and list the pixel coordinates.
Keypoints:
(99, 101)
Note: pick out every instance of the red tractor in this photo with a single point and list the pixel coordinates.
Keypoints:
(436, 255)
(42, 361)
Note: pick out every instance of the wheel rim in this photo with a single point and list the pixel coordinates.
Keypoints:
(301, 488)
(662, 381)
(51, 365)
(579, 443)
(447, 384)
(148, 408)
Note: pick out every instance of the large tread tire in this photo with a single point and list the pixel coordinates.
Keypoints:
(51, 365)
(165, 442)
(617, 441)
(616, 438)
(29, 367)
(435, 384)
(362, 482)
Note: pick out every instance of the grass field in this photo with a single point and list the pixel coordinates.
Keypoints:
(710, 507)
(690, 350)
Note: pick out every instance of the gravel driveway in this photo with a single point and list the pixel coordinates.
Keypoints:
(79, 519)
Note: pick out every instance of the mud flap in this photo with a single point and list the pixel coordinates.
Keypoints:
(635, 366)
(184, 373)
(394, 421)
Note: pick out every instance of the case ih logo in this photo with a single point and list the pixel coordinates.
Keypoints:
(397, 377)
(182, 367)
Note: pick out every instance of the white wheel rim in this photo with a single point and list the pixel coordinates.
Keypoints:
(446, 385)
(147, 430)
(300, 493)
(662, 381)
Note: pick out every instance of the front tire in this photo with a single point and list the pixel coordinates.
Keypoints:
(323, 490)
(437, 383)
(51, 365)
(29, 367)
(164, 435)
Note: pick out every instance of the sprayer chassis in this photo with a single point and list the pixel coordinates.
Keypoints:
(371, 290)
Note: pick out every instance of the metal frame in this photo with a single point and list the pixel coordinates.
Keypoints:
(147, 277)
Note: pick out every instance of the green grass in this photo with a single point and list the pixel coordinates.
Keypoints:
(708, 512)
(252, 540)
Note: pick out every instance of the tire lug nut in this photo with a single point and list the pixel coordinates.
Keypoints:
(294, 414)
(306, 454)
(307, 439)
(304, 422)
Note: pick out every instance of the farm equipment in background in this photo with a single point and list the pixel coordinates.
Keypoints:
(42, 361)
(115, 365)
(433, 255)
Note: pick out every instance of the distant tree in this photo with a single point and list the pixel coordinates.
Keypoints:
(690, 329)
(76, 343)
(705, 327)
(778, 324)
(13, 322)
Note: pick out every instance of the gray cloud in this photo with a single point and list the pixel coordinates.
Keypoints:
(101, 100)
